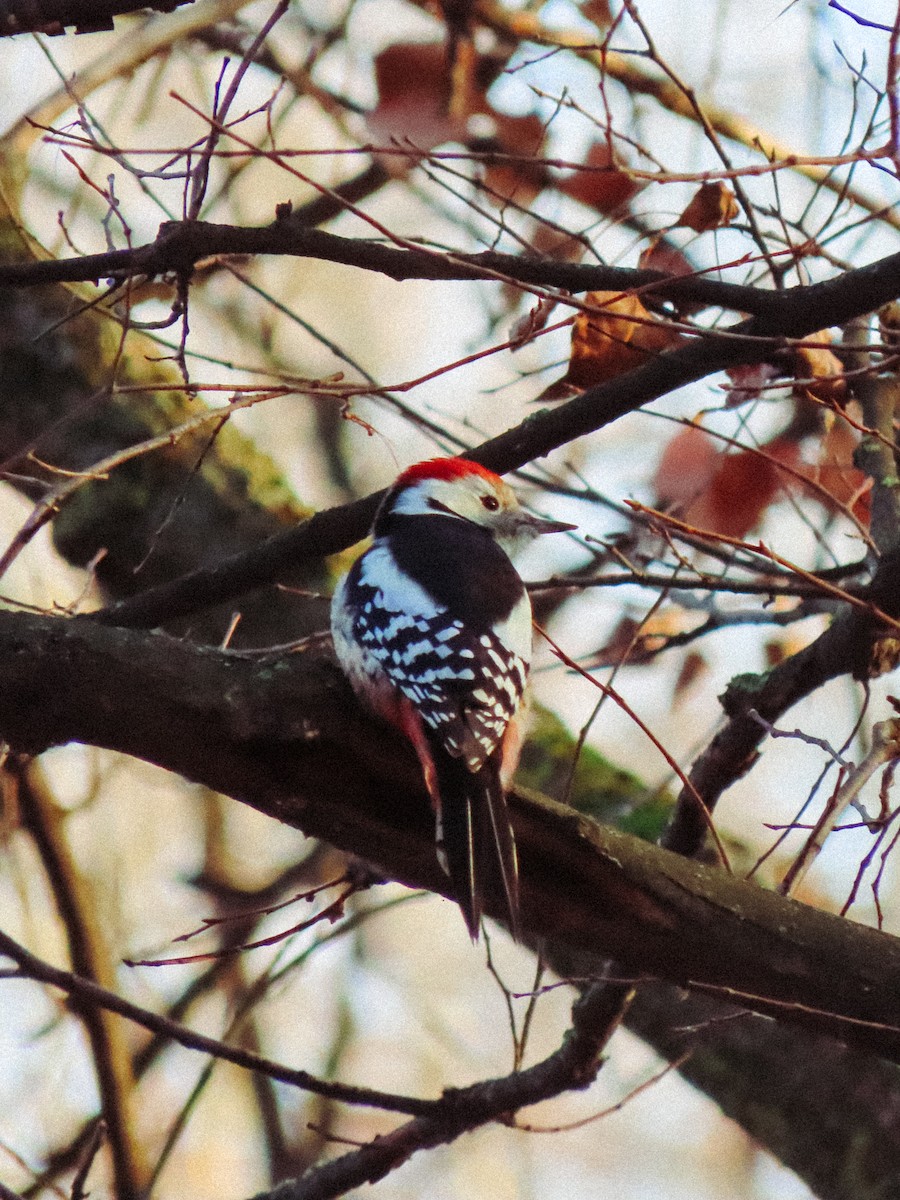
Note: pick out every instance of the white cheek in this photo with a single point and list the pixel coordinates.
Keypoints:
(456, 497)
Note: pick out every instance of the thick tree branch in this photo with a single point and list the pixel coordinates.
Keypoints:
(827, 1111)
(286, 737)
(87, 16)
(180, 245)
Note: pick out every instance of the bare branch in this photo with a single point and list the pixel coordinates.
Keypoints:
(574, 1065)
(85, 991)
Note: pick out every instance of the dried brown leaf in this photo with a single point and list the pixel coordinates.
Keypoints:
(618, 334)
(712, 206)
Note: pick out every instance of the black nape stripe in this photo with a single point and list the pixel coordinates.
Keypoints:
(458, 563)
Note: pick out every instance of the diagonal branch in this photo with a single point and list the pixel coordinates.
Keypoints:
(87, 993)
(574, 1065)
(800, 312)
(844, 648)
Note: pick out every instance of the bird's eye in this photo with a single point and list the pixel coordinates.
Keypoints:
(491, 503)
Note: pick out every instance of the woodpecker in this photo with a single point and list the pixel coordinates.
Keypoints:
(432, 626)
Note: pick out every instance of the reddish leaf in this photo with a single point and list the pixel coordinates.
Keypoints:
(413, 97)
(421, 102)
(692, 669)
(835, 473)
(744, 486)
(604, 186)
(712, 206)
(687, 467)
(636, 643)
(598, 12)
(723, 492)
(520, 180)
(661, 255)
(619, 646)
(749, 382)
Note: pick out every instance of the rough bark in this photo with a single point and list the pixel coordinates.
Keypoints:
(285, 736)
(85, 16)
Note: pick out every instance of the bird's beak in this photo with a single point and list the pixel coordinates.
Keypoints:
(538, 525)
(518, 528)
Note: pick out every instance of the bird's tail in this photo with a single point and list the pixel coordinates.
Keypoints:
(475, 838)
